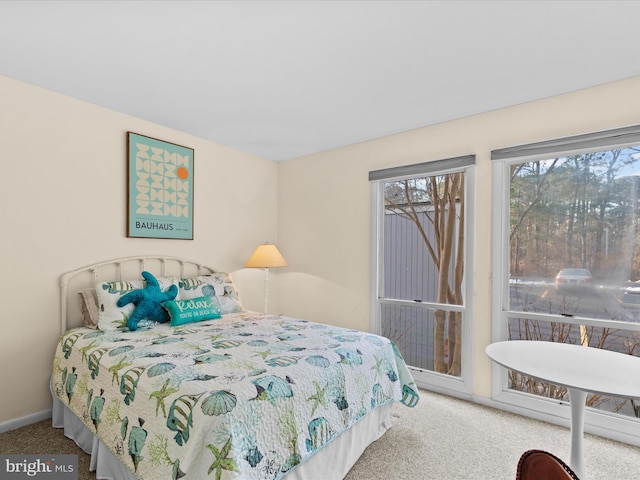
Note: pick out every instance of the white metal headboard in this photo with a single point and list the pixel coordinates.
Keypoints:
(125, 268)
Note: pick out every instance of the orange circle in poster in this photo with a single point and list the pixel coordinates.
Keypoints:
(182, 173)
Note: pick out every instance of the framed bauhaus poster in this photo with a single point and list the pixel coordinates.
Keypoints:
(159, 189)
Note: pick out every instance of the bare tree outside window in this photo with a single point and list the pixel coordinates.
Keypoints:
(434, 208)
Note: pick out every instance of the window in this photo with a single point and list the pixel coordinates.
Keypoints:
(567, 255)
(421, 247)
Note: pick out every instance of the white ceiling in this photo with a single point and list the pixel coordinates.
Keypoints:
(282, 79)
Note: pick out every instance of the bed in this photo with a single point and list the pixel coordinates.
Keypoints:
(218, 391)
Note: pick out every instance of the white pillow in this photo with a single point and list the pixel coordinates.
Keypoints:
(217, 284)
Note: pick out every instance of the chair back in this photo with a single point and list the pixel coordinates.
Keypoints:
(541, 465)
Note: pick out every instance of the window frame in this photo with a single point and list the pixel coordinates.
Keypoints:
(596, 421)
(461, 386)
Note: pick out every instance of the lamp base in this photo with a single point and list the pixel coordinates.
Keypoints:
(266, 289)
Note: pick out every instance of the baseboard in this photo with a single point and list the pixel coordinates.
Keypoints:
(15, 423)
(617, 429)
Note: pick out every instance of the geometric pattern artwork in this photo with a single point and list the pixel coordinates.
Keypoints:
(162, 185)
(160, 189)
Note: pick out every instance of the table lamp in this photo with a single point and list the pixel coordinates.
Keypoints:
(266, 256)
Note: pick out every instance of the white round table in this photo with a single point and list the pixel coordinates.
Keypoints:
(580, 369)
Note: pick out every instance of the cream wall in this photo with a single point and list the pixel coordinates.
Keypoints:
(63, 206)
(325, 209)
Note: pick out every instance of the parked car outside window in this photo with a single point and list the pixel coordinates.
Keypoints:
(573, 277)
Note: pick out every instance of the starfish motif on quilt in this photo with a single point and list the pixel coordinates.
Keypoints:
(377, 366)
(319, 398)
(115, 369)
(161, 394)
(222, 462)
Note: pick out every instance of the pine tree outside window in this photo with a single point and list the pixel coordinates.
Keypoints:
(567, 258)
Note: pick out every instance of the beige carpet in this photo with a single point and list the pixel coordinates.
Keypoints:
(440, 439)
(449, 439)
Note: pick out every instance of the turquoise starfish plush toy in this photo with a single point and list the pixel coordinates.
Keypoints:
(148, 302)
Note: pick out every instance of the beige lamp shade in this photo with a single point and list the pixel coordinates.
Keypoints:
(266, 256)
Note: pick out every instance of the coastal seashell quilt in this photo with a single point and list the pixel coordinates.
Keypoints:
(247, 396)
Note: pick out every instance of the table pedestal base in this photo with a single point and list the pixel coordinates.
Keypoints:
(578, 368)
(577, 400)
